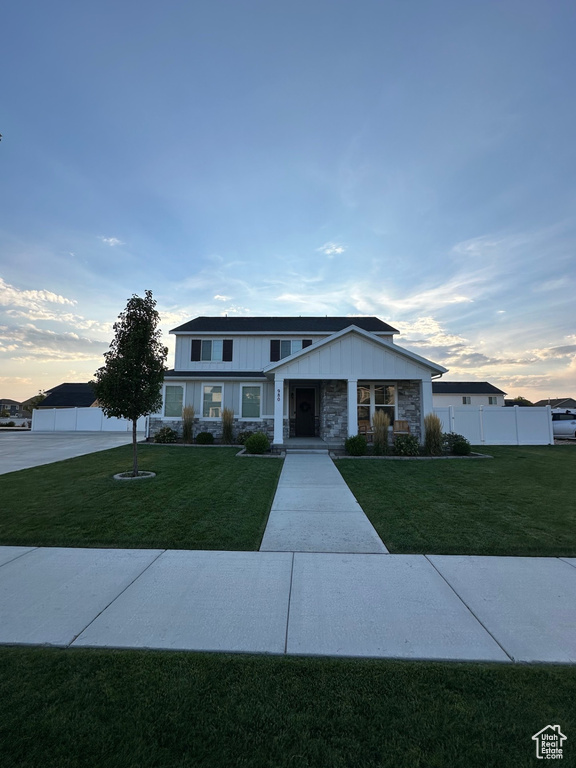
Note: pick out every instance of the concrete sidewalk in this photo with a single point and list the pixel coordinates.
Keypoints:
(315, 511)
(501, 609)
(22, 450)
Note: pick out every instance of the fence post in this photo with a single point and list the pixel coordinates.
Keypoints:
(516, 411)
(550, 425)
(481, 417)
(451, 418)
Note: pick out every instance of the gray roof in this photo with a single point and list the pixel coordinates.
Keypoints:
(465, 388)
(558, 402)
(7, 401)
(281, 325)
(69, 395)
(216, 374)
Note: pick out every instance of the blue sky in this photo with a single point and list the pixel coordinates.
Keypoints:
(412, 160)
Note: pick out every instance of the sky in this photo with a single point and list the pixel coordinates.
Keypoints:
(409, 160)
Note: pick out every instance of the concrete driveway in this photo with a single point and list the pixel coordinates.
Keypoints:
(21, 450)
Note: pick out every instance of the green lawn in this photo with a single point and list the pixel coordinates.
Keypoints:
(132, 709)
(202, 498)
(521, 502)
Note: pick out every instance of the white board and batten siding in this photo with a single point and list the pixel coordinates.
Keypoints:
(493, 425)
(353, 357)
(80, 420)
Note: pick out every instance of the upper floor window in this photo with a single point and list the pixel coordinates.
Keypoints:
(212, 350)
(466, 400)
(492, 400)
(281, 348)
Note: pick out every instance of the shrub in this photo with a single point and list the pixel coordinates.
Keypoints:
(461, 447)
(257, 443)
(227, 422)
(406, 445)
(188, 415)
(241, 437)
(356, 445)
(166, 435)
(204, 438)
(11, 424)
(380, 425)
(433, 435)
(448, 440)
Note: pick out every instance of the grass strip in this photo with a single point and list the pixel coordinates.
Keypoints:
(128, 709)
(521, 502)
(201, 498)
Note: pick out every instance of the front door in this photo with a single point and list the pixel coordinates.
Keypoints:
(305, 412)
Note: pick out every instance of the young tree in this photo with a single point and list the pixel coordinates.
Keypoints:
(129, 385)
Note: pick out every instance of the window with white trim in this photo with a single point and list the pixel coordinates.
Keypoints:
(492, 400)
(281, 348)
(173, 399)
(375, 396)
(212, 401)
(251, 397)
(466, 400)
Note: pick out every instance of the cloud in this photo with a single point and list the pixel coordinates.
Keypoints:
(32, 343)
(10, 296)
(222, 298)
(15, 381)
(331, 249)
(568, 350)
(111, 241)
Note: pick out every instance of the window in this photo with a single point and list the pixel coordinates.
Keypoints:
(466, 400)
(374, 397)
(212, 350)
(212, 401)
(279, 349)
(173, 401)
(492, 400)
(250, 405)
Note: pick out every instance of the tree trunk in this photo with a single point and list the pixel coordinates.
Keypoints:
(134, 450)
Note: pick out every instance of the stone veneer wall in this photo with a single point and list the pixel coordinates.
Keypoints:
(215, 427)
(334, 410)
(409, 405)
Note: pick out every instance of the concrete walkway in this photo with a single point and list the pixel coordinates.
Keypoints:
(22, 450)
(315, 511)
(502, 609)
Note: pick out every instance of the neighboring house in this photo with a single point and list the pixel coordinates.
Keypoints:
(558, 402)
(69, 396)
(466, 393)
(11, 407)
(294, 376)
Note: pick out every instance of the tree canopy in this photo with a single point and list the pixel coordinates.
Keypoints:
(129, 385)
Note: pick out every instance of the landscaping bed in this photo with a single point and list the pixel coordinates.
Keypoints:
(199, 499)
(520, 503)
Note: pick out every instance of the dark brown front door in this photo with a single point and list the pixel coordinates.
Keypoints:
(305, 412)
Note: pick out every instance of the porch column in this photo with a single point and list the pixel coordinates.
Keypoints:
(278, 410)
(352, 407)
(427, 405)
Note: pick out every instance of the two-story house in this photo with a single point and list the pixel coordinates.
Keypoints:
(458, 393)
(295, 376)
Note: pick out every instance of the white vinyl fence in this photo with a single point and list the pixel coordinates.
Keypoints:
(79, 420)
(495, 425)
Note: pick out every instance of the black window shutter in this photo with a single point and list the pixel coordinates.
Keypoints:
(306, 343)
(274, 351)
(227, 350)
(196, 349)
